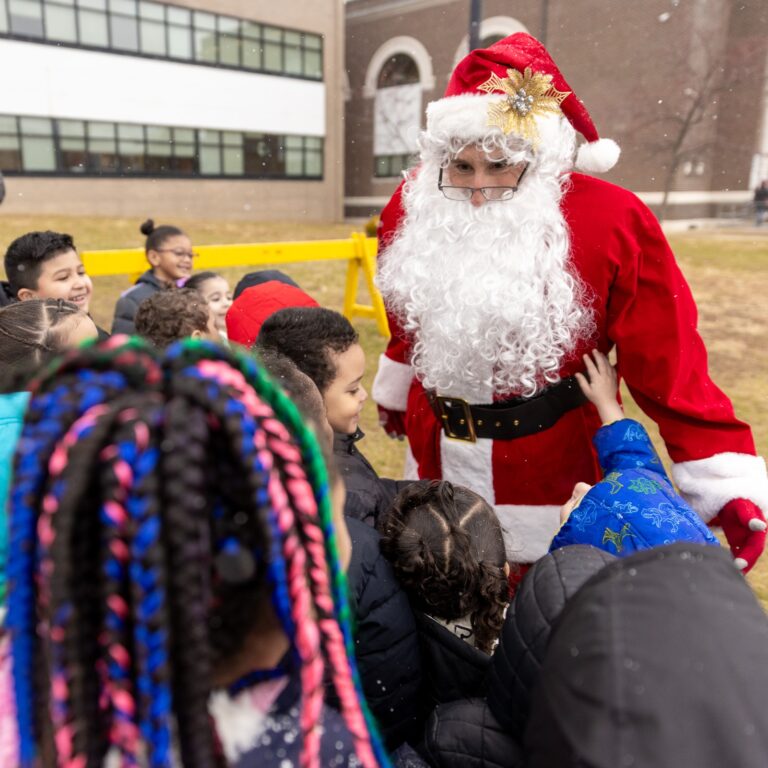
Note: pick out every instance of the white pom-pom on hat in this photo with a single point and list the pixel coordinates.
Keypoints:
(598, 156)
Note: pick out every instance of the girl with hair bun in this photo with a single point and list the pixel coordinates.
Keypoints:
(447, 550)
(176, 593)
(170, 255)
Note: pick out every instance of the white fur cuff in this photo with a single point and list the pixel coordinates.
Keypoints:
(528, 530)
(392, 384)
(709, 484)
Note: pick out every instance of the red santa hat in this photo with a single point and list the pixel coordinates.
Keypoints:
(254, 305)
(520, 71)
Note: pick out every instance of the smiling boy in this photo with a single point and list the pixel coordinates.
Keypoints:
(46, 265)
(324, 345)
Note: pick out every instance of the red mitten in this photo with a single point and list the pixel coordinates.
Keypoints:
(393, 422)
(744, 526)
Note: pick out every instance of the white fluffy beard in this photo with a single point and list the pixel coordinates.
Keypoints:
(486, 292)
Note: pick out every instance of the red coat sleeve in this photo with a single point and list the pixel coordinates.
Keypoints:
(651, 317)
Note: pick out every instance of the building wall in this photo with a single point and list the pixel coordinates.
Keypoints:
(636, 66)
(67, 82)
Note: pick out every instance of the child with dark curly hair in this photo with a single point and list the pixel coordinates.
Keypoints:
(170, 316)
(447, 550)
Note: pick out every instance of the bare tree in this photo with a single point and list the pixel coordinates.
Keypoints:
(702, 77)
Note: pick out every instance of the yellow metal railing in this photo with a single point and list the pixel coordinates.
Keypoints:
(359, 251)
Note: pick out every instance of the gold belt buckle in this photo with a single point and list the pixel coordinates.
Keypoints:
(470, 437)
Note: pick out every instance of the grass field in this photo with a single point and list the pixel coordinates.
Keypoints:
(727, 270)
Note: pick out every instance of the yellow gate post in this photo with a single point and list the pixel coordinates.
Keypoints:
(365, 259)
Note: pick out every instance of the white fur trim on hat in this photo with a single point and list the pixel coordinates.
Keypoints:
(464, 116)
(709, 484)
(392, 384)
(598, 156)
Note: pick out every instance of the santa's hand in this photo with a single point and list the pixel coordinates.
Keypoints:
(393, 422)
(744, 527)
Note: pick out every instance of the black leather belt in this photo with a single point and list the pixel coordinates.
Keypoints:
(509, 419)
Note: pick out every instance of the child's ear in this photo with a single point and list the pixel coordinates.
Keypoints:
(196, 334)
(25, 294)
(153, 257)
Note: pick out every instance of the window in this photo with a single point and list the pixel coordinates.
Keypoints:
(293, 57)
(386, 166)
(205, 37)
(229, 41)
(152, 28)
(252, 47)
(400, 69)
(92, 19)
(489, 40)
(10, 147)
(123, 25)
(26, 17)
(72, 146)
(179, 33)
(313, 56)
(80, 147)
(60, 23)
(273, 49)
(397, 115)
(37, 147)
(102, 148)
(157, 29)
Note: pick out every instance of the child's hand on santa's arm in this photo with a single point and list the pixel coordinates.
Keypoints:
(600, 386)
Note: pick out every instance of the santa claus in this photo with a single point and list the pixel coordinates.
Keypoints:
(501, 267)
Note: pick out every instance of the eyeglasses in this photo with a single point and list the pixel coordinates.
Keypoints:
(179, 253)
(491, 194)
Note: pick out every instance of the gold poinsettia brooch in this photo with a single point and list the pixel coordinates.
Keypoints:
(528, 94)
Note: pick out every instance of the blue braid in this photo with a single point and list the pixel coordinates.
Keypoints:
(39, 436)
(150, 641)
(276, 567)
(48, 417)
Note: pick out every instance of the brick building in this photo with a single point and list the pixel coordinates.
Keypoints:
(648, 72)
(196, 108)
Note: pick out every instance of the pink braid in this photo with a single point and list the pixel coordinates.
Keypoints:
(279, 442)
(9, 737)
(60, 696)
(123, 733)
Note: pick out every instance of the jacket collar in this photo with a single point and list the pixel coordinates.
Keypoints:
(344, 442)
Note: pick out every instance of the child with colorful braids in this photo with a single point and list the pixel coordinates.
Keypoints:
(176, 595)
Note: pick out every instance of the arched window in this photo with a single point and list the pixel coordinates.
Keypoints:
(489, 40)
(397, 105)
(491, 31)
(399, 69)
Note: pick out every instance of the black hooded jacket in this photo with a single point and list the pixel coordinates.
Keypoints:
(368, 495)
(659, 661)
(540, 599)
(453, 669)
(386, 641)
(488, 731)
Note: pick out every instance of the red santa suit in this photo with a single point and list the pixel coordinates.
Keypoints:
(643, 307)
